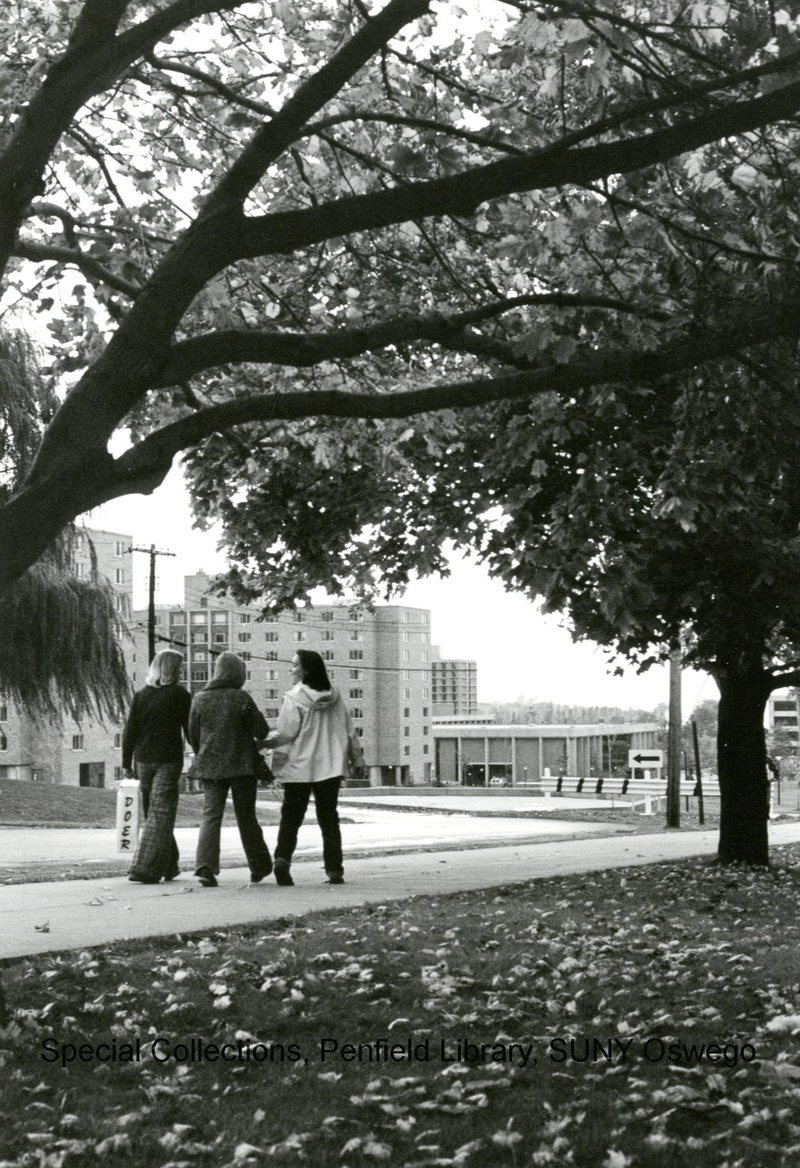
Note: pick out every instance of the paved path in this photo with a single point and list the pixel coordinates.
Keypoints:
(373, 829)
(79, 913)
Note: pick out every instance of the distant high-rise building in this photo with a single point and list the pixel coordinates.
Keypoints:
(454, 686)
(379, 659)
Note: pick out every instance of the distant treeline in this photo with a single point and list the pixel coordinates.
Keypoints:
(553, 713)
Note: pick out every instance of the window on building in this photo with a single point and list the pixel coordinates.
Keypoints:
(271, 712)
(406, 711)
(328, 635)
(406, 616)
(424, 711)
(299, 616)
(271, 636)
(356, 614)
(219, 618)
(220, 638)
(3, 712)
(360, 731)
(356, 693)
(79, 569)
(120, 603)
(300, 635)
(406, 731)
(425, 638)
(77, 742)
(200, 655)
(204, 602)
(199, 673)
(425, 694)
(249, 674)
(426, 731)
(425, 748)
(406, 635)
(245, 654)
(356, 712)
(271, 655)
(3, 741)
(199, 618)
(356, 674)
(244, 638)
(117, 741)
(406, 655)
(328, 654)
(120, 548)
(406, 693)
(424, 655)
(271, 674)
(356, 654)
(270, 694)
(117, 774)
(243, 618)
(406, 675)
(406, 750)
(327, 616)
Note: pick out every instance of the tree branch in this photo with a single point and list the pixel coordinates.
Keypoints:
(268, 143)
(462, 194)
(302, 350)
(41, 252)
(154, 455)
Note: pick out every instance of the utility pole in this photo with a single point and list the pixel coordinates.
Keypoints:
(674, 741)
(151, 597)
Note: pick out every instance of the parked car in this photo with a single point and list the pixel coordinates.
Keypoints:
(499, 782)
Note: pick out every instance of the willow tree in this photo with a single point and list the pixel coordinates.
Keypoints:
(59, 634)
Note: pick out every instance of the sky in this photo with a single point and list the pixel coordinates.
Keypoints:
(520, 652)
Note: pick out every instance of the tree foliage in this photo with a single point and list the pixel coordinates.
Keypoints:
(59, 634)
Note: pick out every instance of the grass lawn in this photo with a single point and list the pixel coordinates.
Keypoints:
(42, 805)
(647, 1018)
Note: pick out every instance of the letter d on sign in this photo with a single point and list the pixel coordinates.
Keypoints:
(127, 815)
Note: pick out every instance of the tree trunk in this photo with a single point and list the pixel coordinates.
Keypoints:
(742, 766)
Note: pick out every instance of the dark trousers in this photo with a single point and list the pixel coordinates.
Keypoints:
(296, 797)
(215, 793)
(157, 854)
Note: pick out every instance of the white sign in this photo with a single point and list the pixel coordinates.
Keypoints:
(645, 759)
(127, 816)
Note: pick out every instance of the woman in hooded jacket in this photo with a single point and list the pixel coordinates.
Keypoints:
(316, 744)
(225, 727)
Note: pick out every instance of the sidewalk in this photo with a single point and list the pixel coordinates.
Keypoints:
(40, 918)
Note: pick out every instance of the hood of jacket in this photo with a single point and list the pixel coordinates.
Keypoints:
(313, 699)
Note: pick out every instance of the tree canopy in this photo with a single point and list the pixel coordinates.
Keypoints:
(280, 212)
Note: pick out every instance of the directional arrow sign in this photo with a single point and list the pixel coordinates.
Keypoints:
(645, 758)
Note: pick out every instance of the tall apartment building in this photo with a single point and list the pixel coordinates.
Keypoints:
(782, 716)
(379, 659)
(86, 754)
(454, 686)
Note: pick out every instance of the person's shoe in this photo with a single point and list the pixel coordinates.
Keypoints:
(173, 875)
(144, 879)
(206, 877)
(335, 878)
(282, 875)
(261, 874)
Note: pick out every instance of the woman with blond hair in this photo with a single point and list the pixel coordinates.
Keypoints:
(225, 726)
(153, 738)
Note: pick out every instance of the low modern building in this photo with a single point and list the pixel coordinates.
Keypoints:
(474, 755)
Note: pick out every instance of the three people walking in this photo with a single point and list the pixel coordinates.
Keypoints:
(315, 746)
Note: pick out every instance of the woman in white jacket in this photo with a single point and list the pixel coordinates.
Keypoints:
(316, 745)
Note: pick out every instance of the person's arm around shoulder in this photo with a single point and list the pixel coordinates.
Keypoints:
(193, 735)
